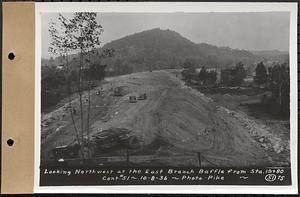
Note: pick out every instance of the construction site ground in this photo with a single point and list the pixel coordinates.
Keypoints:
(175, 122)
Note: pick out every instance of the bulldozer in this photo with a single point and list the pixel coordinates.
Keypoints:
(142, 97)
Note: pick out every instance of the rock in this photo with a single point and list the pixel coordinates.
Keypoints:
(227, 96)
(261, 139)
(277, 147)
(59, 128)
(265, 146)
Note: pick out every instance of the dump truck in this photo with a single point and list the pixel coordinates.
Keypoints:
(142, 97)
(132, 99)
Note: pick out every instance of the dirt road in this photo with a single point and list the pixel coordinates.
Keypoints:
(186, 119)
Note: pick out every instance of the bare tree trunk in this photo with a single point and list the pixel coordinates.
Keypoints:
(71, 108)
(88, 110)
(88, 118)
(80, 100)
(280, 89)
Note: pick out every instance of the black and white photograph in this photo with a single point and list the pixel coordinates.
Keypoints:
(181, 96)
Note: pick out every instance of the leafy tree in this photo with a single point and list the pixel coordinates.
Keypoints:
(239, 74)
(52, 77)
(80, 33)
(211, 77)
(280, 86)
(62, 44)
(233, 76)
(86, 32)
(207, 77)
(260, 74)
(190, 64)
(189, 67)
(202, 74)
(226, 77)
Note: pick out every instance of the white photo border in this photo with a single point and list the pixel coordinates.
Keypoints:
(169, 7)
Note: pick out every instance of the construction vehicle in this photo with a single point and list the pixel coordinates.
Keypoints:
(132, 99)
(118, 91)
(142, 97)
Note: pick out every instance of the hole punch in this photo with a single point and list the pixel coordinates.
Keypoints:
(11, 56)
(10, 142)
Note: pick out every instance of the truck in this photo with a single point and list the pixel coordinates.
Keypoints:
(118, 91)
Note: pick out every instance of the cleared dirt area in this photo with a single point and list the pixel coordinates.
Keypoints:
(185, 120)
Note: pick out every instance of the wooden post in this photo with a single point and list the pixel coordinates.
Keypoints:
(199, 158)
(127, 157)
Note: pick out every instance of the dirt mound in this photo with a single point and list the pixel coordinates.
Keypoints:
(188, 119)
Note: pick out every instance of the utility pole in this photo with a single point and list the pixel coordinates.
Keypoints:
(199, 159)
(127, 157)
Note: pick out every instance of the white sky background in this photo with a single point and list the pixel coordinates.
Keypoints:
(250, 31)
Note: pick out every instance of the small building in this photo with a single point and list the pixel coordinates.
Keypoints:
(249, 79)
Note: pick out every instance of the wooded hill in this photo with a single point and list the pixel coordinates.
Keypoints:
(161, 49)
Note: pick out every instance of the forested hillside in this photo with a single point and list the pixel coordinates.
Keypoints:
(160, 49)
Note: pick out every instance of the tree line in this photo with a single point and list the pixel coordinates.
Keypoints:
(229, 77)
(275, 79)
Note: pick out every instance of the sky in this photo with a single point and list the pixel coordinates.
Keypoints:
(239, 30)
